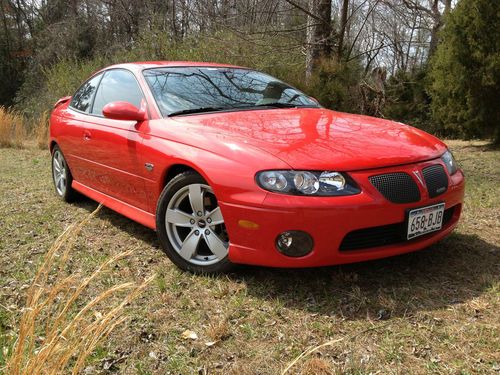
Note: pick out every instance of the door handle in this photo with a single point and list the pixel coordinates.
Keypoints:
(87, 136)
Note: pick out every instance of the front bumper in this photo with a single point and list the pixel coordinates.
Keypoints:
(329, 219)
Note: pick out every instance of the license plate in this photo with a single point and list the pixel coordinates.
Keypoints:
(425, 220)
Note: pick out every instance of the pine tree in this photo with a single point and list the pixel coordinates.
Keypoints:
(465, 71)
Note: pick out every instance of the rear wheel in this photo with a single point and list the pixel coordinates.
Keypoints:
(61, 175)
(190, 225)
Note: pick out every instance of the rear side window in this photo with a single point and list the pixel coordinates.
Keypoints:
(82, 100)
(117, 85)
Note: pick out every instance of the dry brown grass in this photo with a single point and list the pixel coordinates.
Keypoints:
(441, 304)
(55, 334)
(219, 330)
(41, 130)
(12, 128)
(316, 366)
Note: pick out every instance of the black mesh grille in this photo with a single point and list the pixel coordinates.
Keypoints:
(382, 236)
(396, 187)
(436, 180)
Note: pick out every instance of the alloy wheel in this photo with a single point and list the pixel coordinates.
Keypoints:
(195, 226)
(59, 172)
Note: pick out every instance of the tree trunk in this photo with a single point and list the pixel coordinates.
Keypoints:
(343, 26)
(438, 22)
(319, 29)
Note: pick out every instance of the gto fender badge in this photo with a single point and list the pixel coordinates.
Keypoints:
(149, 166)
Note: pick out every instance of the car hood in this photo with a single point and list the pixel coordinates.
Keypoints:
(316, 138)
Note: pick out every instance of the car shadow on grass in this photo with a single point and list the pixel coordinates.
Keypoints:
(453, 271)
(119, 221)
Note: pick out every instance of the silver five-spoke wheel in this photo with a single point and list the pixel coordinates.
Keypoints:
(195, 227)
(59, 172)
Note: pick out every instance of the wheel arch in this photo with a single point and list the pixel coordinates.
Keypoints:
(177, 168)
(52, 144)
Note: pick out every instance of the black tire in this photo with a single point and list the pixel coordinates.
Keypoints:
(175, 189)
(62, 187)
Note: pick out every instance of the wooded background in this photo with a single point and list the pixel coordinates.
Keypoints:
(434, 64)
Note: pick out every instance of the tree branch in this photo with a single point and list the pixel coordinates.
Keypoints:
(293, 3)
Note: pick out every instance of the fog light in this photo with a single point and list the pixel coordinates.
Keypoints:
(294, 243)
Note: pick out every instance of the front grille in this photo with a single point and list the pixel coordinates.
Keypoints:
(436, 180)
(396, 187)
(383, 235)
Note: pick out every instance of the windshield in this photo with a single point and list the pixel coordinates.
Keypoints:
(195, 89)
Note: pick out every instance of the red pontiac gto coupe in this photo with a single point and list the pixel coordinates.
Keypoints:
(230, 165)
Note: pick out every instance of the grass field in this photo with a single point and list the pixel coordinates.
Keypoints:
(434, 311)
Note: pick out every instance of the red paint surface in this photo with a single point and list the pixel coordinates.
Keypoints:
(107, 158)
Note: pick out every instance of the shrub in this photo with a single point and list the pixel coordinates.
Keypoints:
(273, 55)
(336, 85)
(39, 93)
(408, 101)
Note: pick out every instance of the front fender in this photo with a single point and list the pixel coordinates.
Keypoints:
(229, 168)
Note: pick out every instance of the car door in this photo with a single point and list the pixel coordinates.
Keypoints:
(75, 119)
(109, 147)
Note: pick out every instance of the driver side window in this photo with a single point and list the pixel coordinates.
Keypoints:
(117, 85)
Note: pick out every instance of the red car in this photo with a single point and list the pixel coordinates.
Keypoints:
(230, 165)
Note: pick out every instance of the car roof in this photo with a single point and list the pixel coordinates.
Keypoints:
(141, 65)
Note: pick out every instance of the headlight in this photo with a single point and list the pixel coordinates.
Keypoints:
(450, 162)
(327, 183)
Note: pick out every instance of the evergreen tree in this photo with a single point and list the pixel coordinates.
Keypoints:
(465, 71)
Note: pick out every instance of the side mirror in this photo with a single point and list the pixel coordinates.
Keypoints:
(123, 111)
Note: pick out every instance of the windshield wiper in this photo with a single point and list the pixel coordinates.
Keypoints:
(276, 104)
(215, 109)
(196, 110)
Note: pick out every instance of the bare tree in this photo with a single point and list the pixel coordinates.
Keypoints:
(398, 35)
(342, 28)
(435, 10)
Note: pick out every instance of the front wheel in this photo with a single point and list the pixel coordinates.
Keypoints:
(190, 225)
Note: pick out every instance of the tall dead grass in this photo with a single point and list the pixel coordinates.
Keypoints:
(56, 335)
(41, 130)
(12, 128)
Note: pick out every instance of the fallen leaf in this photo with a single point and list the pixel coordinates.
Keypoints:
(187, 334)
